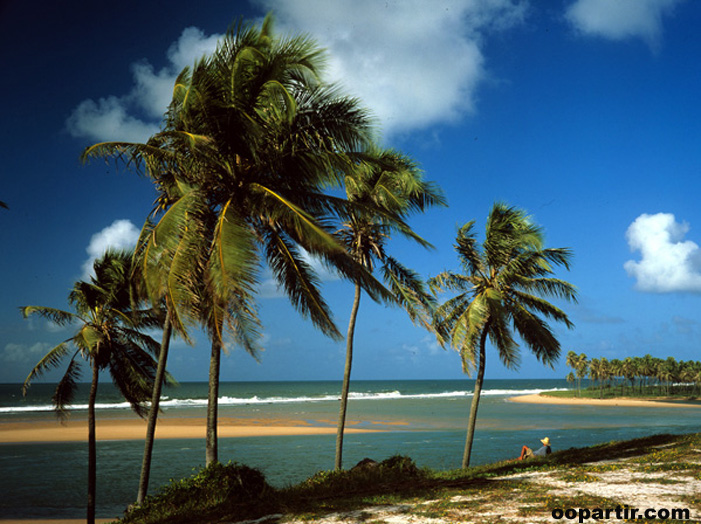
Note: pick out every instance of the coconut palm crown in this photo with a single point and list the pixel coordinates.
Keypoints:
(500, 295)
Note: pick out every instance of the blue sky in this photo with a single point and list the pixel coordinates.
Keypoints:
(585, 113)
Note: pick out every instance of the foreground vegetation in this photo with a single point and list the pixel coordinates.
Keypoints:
(235, 492)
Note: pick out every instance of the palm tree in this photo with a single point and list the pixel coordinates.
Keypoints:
(628, 370)
(572, 361)
(647, 367)
(501, 292)
(570, 377)
(384, 190)
(597, 372)
(109, 337)
(582, 369)
(251, 142)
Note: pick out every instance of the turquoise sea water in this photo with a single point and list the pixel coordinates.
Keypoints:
(423, 419)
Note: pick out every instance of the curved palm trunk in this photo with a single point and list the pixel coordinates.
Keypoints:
(92, 450)
(153, 413)
(346, 379)
(212, 452)
(475, 400)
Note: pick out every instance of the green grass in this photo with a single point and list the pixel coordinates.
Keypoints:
(649, 393)
(234, 492)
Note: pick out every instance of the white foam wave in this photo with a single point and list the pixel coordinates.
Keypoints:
(167, 402)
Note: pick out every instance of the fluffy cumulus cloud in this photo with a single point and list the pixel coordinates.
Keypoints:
(668, 262)
(621, 19)
(413, 63)
(121, 234)
(136, 115)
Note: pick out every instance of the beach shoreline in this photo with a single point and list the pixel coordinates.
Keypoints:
(538, 398)
(167, 428)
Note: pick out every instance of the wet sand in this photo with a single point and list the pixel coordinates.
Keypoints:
(135, 429)
(625, 402)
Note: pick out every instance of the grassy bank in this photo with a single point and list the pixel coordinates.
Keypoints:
(649, 393)
(504, 492)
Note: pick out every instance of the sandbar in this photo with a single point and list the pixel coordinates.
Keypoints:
(623, 402)
(167, 428)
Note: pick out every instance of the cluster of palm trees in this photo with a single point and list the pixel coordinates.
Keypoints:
(253, 151)
(645, 375)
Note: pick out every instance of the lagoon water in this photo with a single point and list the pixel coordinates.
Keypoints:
(423, 419)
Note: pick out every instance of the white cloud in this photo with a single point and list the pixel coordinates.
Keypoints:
(121, 234)
(621, 19)
(135, 116)
(108, 120)
(668, 262)
(413, 63)
(23, 354)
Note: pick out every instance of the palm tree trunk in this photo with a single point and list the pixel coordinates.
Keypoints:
(153, 413)
(346, 379)
(475, 399)
(92, 449)
(212, 452)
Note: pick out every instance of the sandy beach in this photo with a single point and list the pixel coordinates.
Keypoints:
(626, 402)
(135, 429)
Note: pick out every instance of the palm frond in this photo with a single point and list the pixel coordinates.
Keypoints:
(49, 361)
(133, 371)
(410, 291)
(536, 334)
(66, 388)
(57, 316)
(299, 281)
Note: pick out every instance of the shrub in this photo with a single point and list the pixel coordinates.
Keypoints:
(215, 490)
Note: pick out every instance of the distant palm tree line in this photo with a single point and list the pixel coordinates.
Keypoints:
(636, 375)
(253, 149)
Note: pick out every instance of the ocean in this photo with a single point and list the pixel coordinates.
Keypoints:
(425, 419)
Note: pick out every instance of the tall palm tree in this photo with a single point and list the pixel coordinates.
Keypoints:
(108, 337)
(500, 292)
(251, 142)
(385, 190)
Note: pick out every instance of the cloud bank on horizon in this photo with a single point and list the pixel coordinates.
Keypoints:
(669, 263)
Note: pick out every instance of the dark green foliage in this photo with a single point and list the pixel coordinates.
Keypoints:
(231, 489)
(397, 469)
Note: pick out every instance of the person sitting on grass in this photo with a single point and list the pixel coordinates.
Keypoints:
(527, 452)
